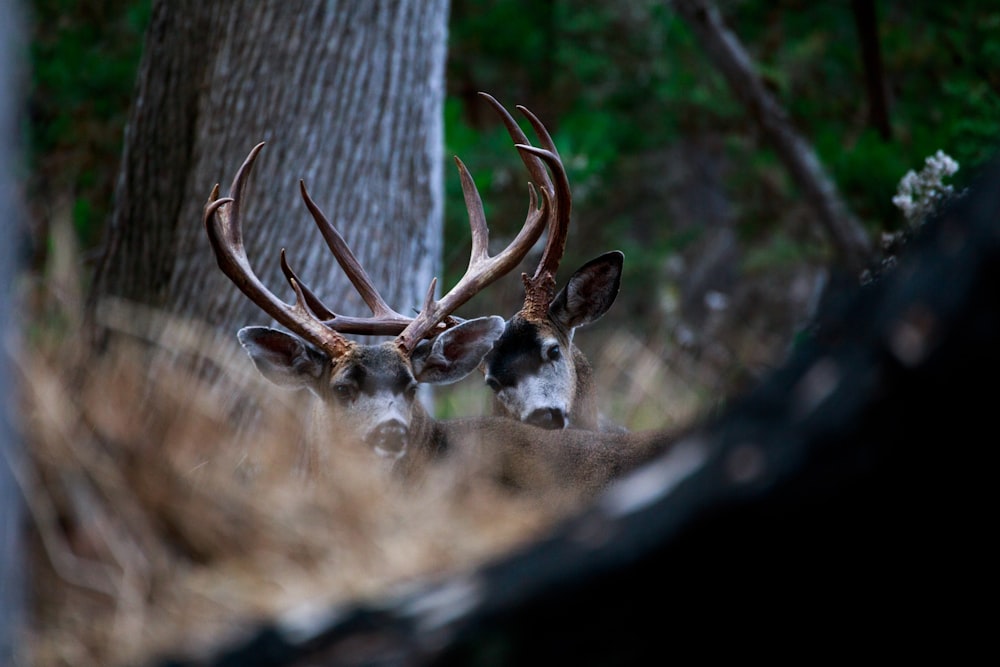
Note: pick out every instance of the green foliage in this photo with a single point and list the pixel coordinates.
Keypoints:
(940, 62)
(622, 79)
(780, 250)
(866, 172)
(84, 57)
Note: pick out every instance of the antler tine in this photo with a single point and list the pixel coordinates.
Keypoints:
(313, 301)
(555, 244)
(484, 269)
(536, 168)
(477, 216)
(371, 326)
(545, 139)
(509, 258)
(223, 224)
(384, 320)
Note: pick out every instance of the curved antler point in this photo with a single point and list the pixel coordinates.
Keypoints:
(214, 205)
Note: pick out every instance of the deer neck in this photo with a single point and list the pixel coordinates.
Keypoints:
(585, 405)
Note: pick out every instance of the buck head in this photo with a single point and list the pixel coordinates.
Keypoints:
(370, 391)
(537, 374)
(367, 392)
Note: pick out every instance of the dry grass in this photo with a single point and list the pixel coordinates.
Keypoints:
(158, 522)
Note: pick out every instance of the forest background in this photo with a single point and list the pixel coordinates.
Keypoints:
(724, 261)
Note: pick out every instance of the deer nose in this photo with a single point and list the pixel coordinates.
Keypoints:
(548, 418)
(389, 440)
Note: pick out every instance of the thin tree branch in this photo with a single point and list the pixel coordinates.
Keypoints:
(871, 55)
(852, 243)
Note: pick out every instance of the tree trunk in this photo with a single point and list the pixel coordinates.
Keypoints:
(11, 539)
(349, 97)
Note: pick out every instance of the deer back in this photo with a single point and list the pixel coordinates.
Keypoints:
(526, 458)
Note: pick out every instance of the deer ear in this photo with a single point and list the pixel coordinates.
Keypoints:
(282, 358)
(457, 352)
(589, 292)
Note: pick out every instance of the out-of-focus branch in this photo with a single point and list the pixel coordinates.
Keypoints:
(871, 55)
(727, 53)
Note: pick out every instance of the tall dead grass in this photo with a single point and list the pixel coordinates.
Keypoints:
(168, 511)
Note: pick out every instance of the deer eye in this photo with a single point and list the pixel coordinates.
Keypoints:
(553, 353)
(345, 392)
(492, 383)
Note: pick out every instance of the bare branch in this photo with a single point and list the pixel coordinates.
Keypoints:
(724, 48)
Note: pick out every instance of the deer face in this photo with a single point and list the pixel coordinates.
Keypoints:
(368, 393)
(530, 374)
(536, 373)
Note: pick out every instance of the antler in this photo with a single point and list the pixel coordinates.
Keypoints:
(224, 226)
(482, 269)
(384, 320)
(316, 323)
(540, 289)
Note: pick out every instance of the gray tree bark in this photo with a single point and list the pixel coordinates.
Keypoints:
(349, 97)
(11, 509)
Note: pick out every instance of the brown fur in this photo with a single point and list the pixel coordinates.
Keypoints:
(526, 458)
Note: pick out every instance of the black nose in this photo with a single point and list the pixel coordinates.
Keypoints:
(389, 439)
(549, 418)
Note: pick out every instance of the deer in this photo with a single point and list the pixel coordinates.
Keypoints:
(536, 372)
(368, 392)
